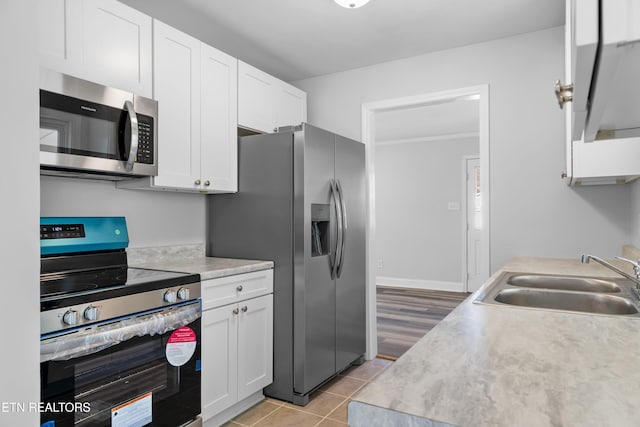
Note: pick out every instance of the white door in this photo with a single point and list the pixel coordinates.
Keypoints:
(219, 359)
(116, 45)
(255, 98)
(474, 226)
(176, 87)
(219, 119)
(290, 105)
(255, 345)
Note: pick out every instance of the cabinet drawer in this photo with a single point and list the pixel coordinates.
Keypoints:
(227, 290)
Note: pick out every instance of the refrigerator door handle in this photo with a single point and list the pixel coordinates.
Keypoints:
(337, 253)
(343, 226)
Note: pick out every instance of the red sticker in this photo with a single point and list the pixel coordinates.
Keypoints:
(181, 346)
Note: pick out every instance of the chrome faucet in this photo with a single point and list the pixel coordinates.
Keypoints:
(636, 269)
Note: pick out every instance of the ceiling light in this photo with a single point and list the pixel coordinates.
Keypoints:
(351, 4)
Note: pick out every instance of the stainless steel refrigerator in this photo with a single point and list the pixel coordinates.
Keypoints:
(301, 203)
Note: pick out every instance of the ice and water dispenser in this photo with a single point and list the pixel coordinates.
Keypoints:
(320, 229)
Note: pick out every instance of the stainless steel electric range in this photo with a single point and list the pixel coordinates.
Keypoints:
(119, 346)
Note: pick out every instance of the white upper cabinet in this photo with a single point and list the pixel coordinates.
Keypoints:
(602, 65)
(256, 101)
(176, 72)
(103, 41)
(291, 105)
(266, 103)
(196, 89)
(219, 120)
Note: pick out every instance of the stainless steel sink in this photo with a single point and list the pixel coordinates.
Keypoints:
(572, 301)
(565, 283)
(612, 297)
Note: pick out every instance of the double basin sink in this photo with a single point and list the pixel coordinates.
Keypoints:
(565, 293)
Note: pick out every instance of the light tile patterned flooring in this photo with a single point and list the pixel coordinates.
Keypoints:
(327, 407)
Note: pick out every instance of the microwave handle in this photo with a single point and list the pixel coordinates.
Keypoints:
(133, 151)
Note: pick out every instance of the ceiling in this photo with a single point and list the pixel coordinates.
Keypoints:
(298, 39)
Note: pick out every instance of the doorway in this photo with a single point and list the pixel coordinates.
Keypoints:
(372, 114)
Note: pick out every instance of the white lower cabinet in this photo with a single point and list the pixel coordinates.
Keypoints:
(237, 348)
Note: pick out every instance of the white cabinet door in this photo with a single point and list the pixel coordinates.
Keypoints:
(582, 38)
(219, 359)
(176, 87)
(116, 45)
(255, 99)
(255, 345)
(102, 41)
(58, 24)
(290, 105)
(219, 118)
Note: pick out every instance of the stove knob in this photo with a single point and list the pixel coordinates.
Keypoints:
(170, 297)
(70, 318)
(183, 293)
(91, 313)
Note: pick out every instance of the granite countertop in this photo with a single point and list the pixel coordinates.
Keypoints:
(207, 267)
(506, 366)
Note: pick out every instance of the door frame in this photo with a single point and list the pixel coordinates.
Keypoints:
(369, 111)
(465, 218)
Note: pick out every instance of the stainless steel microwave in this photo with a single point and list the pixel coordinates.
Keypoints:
(94, 131)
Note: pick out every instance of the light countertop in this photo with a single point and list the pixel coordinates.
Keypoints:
(207, 267)
(507, 366)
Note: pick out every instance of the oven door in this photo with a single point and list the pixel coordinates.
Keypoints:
(138, 371)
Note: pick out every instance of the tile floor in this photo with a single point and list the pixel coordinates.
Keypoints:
(327, 407)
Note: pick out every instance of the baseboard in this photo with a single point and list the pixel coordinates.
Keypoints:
(434, 285)
(235, 410)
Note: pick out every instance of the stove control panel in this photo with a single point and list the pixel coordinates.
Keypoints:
(60, 319)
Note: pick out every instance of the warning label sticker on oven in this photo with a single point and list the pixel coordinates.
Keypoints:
(134, 413)
(181, 346)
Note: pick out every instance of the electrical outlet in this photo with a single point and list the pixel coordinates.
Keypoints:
(380, 264)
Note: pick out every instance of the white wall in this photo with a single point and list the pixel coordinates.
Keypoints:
(532, 211)
(154, 218)
(20, 245)
(417, 236)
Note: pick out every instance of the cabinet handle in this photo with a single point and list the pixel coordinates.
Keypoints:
(235, 311)
(244, 309)
(207, 183)
(564, 93)
(563, 175)
(239, 288)
(197, 182)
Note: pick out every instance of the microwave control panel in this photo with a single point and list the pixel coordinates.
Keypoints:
(145, 140)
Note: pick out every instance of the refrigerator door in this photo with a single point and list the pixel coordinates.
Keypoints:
(314, 247)
(350, 283)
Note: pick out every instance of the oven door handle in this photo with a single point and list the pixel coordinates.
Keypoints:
(102, 336)
(133, 150)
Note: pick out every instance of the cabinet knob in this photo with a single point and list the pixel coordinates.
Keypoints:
(235, 311)
(239, 288)
(207, 183)
(197, 182)
(275, 130)
(564, 93)
(244, 309)
(563, 175)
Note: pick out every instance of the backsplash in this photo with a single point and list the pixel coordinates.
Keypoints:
(164, 253)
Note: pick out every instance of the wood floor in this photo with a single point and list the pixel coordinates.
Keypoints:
(406, 315)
